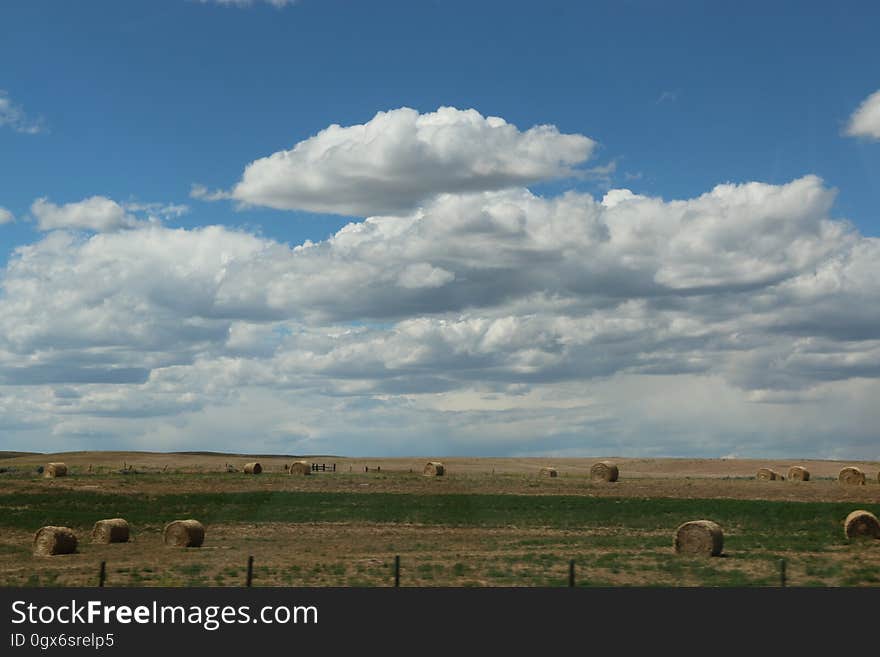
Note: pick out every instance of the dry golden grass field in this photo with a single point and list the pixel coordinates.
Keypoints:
(486, 522)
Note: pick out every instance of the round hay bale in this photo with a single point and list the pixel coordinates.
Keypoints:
(300, 468)
(861, 524)
(113, 530)
(768, 474)
(798, 473)
(434, 469)
(184, 533)
(548, 471)
(604, 471)
(54, 540)
(699, 537)
(253, 468)
(55, 470)
(851, 476)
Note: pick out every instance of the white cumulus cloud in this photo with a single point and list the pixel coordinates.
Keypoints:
(753, 283)
(865, 121)
(101, 214)
(401, 157)
(494, 319)
(5, 216)
(96, 213)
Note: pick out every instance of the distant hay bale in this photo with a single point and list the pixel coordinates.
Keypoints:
(184, 533)
(434, 469)
(113, 530)
(300, 468)
(767, 474)
(548, 471)
(52, 540)
(798, 473)
(699, 537)
(861, 524)
(55, 470)
(851, 476)
(604, 471)
(253, 468)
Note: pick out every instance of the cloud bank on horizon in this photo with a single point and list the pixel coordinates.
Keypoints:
(465, 314)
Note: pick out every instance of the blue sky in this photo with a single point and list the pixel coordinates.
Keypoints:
(137, 102)
(140, 100)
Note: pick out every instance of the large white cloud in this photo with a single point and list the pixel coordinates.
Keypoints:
(754, 283)
(401, 158)
(865, 121)
(495, 320)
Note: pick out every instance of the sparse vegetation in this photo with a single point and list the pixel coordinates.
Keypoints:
(464, 529)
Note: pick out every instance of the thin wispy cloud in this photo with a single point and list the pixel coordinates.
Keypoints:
(202, 193)
(13, 116)
(249, 3)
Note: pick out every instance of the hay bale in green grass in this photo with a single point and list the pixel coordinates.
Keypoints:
(798, 473)
(300, 468)
(434, 469)
(851, 476)
(768, 474)
(55, 470)
(861, 524)
(184, 533)
(699, 538)
(113, 530)
(52, 540)
(604, 471)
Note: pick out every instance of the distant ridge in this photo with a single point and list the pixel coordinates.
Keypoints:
(262, 456)
(12, 455)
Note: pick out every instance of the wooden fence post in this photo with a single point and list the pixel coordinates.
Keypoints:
(571, 572)
(397, 571)
(250, 571)
(782, 573)
(102, 574)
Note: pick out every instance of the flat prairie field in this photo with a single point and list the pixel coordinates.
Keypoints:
(485, 522)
